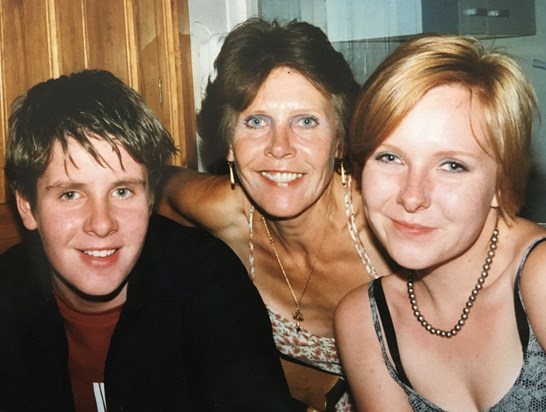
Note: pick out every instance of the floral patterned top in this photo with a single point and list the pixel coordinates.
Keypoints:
(306, 347)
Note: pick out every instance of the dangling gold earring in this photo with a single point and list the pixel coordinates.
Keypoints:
(343, 176)
(231, 175)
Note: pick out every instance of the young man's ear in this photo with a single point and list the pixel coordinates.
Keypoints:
(23, 206)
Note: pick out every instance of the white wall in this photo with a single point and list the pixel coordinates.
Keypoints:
(210, 20)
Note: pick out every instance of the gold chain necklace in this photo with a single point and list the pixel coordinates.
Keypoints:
(469, 303)
(297, 315)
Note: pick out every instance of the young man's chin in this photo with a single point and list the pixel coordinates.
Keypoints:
(91, 298)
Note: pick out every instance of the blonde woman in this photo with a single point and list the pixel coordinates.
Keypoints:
(441, 138)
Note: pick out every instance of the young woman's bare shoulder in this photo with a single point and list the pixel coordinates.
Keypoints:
(533, 282)
(353, 309)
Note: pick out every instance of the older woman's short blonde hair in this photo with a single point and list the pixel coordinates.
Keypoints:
(497, 82)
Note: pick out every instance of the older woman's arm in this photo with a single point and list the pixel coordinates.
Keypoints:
(198, 199)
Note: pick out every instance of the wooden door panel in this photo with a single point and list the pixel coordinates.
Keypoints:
(24, 59)
(106, 37)
(186, 104)
(71, 45)
(153, 81)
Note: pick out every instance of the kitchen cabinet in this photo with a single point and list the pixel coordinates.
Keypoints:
(144, 42)
(348, 20)
(354, 20)
(497, 18)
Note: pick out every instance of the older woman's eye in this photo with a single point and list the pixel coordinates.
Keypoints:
(255, 122)
(307, 122)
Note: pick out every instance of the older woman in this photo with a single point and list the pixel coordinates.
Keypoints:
(281, 102)
(441, 138)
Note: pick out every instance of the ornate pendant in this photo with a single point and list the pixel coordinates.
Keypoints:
(298, 317)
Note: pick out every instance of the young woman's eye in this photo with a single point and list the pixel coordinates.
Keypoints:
(387, 158)
(308, 122)
(255, 122)
(454, 167)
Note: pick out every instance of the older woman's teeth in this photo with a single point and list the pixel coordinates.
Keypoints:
(99, 253)
(282, 177)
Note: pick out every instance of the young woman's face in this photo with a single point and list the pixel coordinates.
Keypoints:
(429, 187)
(284, 144)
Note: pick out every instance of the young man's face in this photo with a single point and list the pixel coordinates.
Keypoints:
(92, 220)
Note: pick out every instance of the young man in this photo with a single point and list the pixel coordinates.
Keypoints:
(105, 307)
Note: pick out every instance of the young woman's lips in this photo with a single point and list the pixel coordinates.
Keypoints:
(411, 228)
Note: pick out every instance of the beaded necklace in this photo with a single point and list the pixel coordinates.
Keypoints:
(469, 303)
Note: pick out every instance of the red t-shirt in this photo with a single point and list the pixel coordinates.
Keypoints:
(88, 337)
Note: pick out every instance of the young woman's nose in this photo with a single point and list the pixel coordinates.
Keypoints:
(414, 191)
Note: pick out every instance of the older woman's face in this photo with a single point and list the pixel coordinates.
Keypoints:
(284, 144)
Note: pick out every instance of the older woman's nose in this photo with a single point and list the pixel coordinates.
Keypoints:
(281, 142)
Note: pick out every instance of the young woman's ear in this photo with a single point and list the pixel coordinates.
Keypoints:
(25, 211)
(495, 202)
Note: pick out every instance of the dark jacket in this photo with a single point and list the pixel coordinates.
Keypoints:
(193, 334)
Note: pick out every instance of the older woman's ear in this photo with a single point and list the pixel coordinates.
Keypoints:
(229, 156)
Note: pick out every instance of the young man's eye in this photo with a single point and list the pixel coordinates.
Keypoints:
(123, 192)
(69, 195)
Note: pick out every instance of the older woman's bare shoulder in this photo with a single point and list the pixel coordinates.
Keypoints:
(201, 199)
